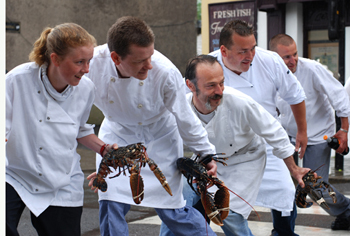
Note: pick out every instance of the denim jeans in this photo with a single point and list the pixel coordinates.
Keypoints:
(182, 221)
(236, 225)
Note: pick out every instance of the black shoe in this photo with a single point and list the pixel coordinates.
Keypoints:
(274, 232)
(341, 223)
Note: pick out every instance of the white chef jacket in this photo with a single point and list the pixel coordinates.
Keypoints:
(347, 88)
(324, 93)
(267, 75)
(153, 111)
(237, 129)
(43, 165)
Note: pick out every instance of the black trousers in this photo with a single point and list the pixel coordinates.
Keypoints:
(54, 221)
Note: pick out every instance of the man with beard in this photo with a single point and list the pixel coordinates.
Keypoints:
(237, 126)
(324, 93)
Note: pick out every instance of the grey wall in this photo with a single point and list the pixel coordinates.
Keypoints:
(173, 23)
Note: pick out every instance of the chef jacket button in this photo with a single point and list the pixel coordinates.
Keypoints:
(112, 79)
(40, 174)
(230, 145)
(40, 120)
(48, 118)
(40, 148)
(140, 123)
(139, 106)
(36, 189)
(141, 83)
(111, 102)
(39, 91)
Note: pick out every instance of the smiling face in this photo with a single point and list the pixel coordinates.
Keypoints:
(68, 69)
(135, 64)
(289, 55)
(239, 56)
(210, 86)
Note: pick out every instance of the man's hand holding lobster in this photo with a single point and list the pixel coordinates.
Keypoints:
(211, 168)
(296, 171)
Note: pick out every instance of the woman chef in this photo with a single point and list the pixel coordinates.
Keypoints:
(48, 102)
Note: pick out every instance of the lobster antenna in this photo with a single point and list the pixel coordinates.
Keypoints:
(318, 168)
(245, 202)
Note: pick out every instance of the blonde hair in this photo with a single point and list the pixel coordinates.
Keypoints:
(59, 40)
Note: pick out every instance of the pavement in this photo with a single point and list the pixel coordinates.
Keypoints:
(144, 221)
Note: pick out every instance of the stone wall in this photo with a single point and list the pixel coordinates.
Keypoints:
(173, 23)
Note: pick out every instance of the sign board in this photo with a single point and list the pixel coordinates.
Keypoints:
(215, 14)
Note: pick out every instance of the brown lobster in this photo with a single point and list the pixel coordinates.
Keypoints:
(313, 188)
(216, 208)
(132, 158)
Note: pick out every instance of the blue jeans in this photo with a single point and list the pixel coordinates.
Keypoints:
(234, 224)
(182, 221)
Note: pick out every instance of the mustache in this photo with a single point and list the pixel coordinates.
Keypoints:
(216, 96)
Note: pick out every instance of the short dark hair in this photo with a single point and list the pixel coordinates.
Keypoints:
(239, 27)
(283, 39)
(126, 31)
(191, 67)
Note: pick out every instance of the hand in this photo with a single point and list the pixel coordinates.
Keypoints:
(299, 173)
(109, 147)
(296, 171)
(343, 139)
(91, 177)
(301, 144)
(211, 168)
(114, 146)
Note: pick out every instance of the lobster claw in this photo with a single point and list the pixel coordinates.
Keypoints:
(136, 184)
(222, 199)
(159, 174)
(314, 188)
(210, 208)
(331, 192)
(216, 208)
(100, 183)
(317, 195)
(300, 198)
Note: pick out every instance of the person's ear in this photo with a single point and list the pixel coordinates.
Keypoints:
(55, 59)
(190, 85)
(223, 50)
(116, 58)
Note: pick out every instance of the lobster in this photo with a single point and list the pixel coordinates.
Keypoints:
(132, 158)
(313, 188)
(216, 208)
